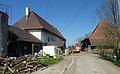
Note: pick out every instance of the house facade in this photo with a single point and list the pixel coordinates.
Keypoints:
(45, 36)
(41, 29)
(27, 35)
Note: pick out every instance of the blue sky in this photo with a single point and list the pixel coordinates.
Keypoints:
(73, 18)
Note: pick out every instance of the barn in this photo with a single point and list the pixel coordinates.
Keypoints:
(100, 34)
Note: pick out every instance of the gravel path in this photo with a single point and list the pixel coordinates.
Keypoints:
(88, 63)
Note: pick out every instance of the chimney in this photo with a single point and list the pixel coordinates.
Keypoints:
(27, 11)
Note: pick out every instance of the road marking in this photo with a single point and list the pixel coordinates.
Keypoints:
(71, 63)
(68, 66)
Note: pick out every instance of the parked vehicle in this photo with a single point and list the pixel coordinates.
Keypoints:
(51, 51)
(77, 49)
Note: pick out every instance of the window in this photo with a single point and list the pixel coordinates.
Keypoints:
(48, 39)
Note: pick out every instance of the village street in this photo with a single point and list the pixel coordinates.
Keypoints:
(83, 63)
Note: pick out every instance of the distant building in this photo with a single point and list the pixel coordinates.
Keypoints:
(76, 48)
(99, 34)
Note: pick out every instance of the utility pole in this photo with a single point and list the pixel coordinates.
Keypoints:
(118, 23)
(118, 12)
(119, 7)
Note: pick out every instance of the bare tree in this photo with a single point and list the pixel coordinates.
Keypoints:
(109, 11)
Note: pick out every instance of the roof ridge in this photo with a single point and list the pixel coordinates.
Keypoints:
(102, 21)
(40, 18)
(37, 22)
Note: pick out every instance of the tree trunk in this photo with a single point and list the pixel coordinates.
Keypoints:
(119, 55)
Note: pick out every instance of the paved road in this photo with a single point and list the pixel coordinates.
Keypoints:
(83, 63)
(87, 63)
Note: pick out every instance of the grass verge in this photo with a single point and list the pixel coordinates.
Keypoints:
(48, 61)
(112, 60)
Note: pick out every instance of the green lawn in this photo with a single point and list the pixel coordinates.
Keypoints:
(48, 61)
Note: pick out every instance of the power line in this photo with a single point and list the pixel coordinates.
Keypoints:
(78, 12)
(10, 13)
(27, 3)
(47, 6)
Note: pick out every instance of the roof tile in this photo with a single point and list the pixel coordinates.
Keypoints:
(34, 21)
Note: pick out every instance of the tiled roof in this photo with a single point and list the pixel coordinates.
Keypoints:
(101, 32)
(34, 21)
(23, 35)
